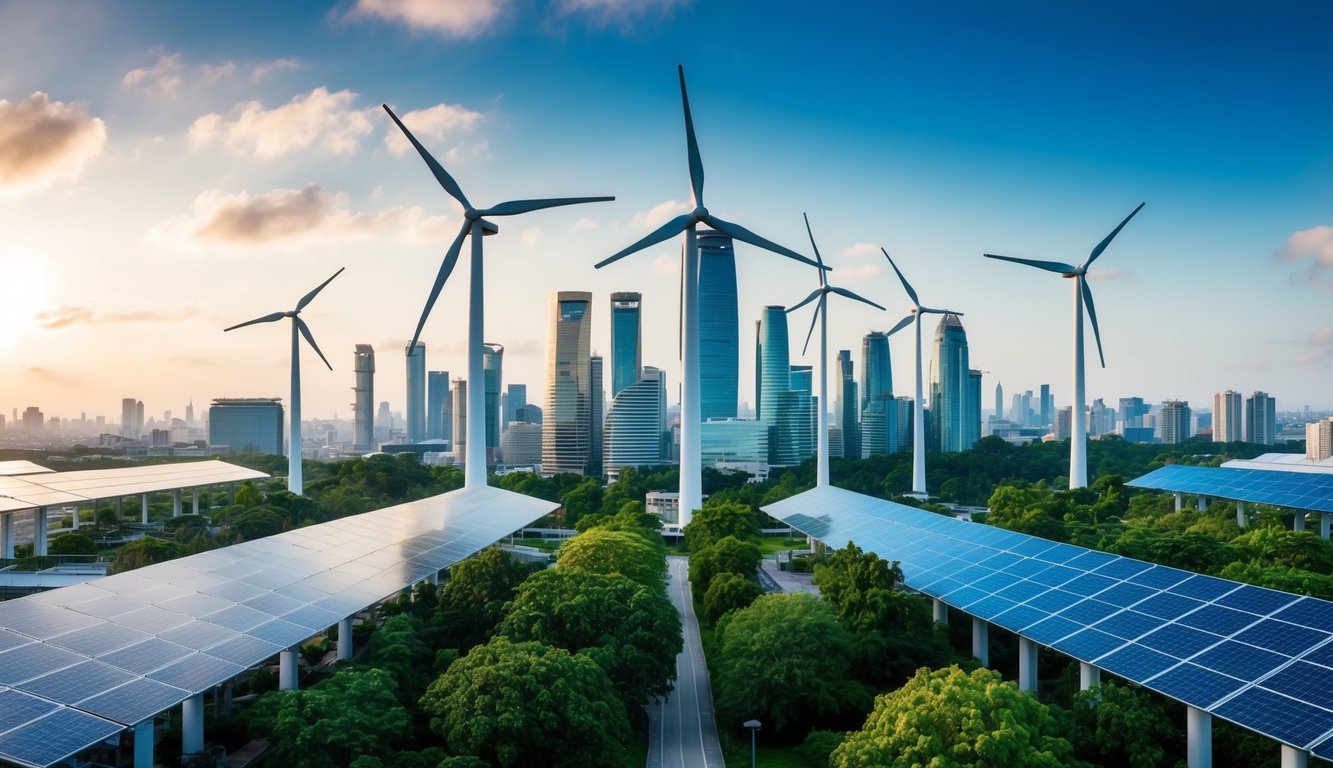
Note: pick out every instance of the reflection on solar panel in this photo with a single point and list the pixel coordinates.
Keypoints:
(20, 467)
(19, 491)
(79, 664)
(1260, 658)
(1297, 490)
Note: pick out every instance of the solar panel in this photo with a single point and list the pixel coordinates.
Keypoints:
(1194, 685)
(33, 660)
(1298, 490)
(1285, 719)
(134, 701)
(55, 737)
(145, 657)
(80, 681)
(17, 708)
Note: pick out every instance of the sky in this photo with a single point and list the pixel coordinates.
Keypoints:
(171, 169)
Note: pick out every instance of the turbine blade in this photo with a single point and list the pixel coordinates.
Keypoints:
(441, 175)
(300, 305)
(737, 232)
(818, 258)
(1102, 245)
(906, 321)
(1092, 315)
(667, 230)
(853, 296)
(692, 144)
(524, 206)
(911, 294)
(305, 331)
(813, 319)
(265, 319)
(446, 268)
(813, 295)
(1049, 266)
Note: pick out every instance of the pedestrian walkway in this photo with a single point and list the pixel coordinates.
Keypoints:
(785, 581)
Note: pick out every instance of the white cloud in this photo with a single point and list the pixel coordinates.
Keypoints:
(1312, 248)
(43, 142)
(1108, 273)
(265, 68)
(1318, 348)
(623, 13)
(165, 75)
(666, 265)
(584, 225)
(171, 73)
(659, 214)
(861, 251)
(447, 18)
(435, 124)
(855, 274)
(317, 119)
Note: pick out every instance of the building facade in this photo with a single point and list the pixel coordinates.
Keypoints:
(363, 398)
(1227, 420)
(626, 339)
(1174, 418)
(1319, 440)
(439, 406)
(1260, 419)
(596, 413)
(246, 425)
(492, 364)
(952, 407)
(521, 445)
(635, 424)
(567, 418)
(416, 392)
(719, 332)
(849, 406)
(787, 412)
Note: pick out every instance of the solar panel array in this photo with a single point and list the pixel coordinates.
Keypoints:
(21, 467)
(81, 663)
(1297, 490)
(1260, 658)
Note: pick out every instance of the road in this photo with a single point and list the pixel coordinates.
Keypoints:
(681, 730)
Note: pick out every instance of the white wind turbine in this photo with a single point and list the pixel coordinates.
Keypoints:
(918, 409)
(1078, 432)
(299, 328)
(477, 226)
(691, 482)
(821, 316)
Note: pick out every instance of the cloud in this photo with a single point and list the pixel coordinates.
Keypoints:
(66, 316)
(861, 251)
(584, 225)
(43, 142)
(659, 214)
(1108, 273)
(1312, 248)
(666, 265)
(316, 119)
(265, 68)
(165, 75)
(171, 73)
(1318, 348)
(855, 274)
(435, 124)
(293, 215)
(446, 18)
(621, 13)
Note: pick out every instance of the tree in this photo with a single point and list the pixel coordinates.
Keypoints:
(716, 521)
(482, 584)
(396, 649)
(629, 554)
(145, 551)
(784, 659)
(728, 592)
(521, 704)
(1121, 726)
(631, 630)
(247, 495)
(948, 718)
(726, 555)
(73, 543)
(256, 523)
(106, 518)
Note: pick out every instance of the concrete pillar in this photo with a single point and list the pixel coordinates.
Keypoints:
(1203, 503)
(941, 611)
(74, 523)
(1323, 525)
(143, 744)
(1027, 665)
(39, 532)
(1294, 758)
(192, 725)
(1088, 676)
(1241, 520)
(120, 507)
(1198, 738)
(287, 669)
(144, 507)
(1180, 501)
(7, 535)
(226, 698)
(345, 639)
(434, 579)
(981, 641)
(194, 503)
(1298, 521)
(176, 503)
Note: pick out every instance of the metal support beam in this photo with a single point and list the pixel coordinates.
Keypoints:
(1027, 665)
(1198, 738)
(1203, 503)
(192, 725)
(1294, 758)
(176, 503)
(1088, 676)
(143, 744)
(981, 641)
(345, 639)
(7, 535)
(143, 504)
(287, 669)
(1241, 518)
(1180, 501)
(39, 532)
(941, 611)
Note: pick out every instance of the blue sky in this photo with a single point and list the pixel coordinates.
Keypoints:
(191, 166)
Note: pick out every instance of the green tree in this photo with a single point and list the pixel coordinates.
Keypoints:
(256, 523)
(397, 649)
(948, 718)
(145, 551)
(107, 518)
(716, 521)
(726, 555)
(1291, 549)
(1121, 726)
(728, 592)
(523, 704)
(479, 587)
(73, 543)
(247, 495)
(629, 554)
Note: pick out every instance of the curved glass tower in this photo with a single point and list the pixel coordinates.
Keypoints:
(719, 332)
(567, 427)
(634, 424)
(787, 412)
(626, 340)
(951, 391)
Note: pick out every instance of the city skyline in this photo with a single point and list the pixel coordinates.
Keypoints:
(200, 168)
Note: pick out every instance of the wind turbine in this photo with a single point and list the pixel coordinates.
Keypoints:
(918, 410)
(477, 226)
(691, 481)
(1078, 432)
(821, 315)
(299, 328)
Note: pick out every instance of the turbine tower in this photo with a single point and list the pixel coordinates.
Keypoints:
(475, 225)
(299, 328)
(918, 409)
(691, 481)
(821, 316)
(1078, 432)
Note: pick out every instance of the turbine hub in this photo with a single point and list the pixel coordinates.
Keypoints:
(700, 213)
(472, 214)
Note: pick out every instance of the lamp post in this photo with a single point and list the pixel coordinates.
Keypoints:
(753, 725)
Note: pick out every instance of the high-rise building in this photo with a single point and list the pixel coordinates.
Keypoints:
(951, 426)
(626, 340)
(138, 418)
(521, 444)
(596, 406)
(492, 363)
(972, 407)
(635, 424)
(719, 333)
(1133, 413)
(363, 393)
(246, 425)
(878, 415)
(416, 392)
(1064, 423)
(787, 412)
(438, 405)
(1260, 419)
(567, 426)
(903, 423)
(33, 418)
(999, 400)
(1047, 406)
(459, 443)
(528, 412)
(189, 414)
(1319, 440)
(849, 406)
(1175, 421)
(127, 427)
(1227, 421)
(383, 422)
(515, 397)
(1029, 416)
(1101, 420)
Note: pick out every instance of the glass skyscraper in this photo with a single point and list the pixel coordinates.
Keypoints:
(438, 406)
(246, 425)
(416, 392)
(952, 397)
(879, 416)
(786, 412)
(626, 340)
(567, 424)
(492, 364)
(719, 333)
(634, 424)
(849, 405)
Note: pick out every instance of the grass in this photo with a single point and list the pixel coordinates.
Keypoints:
(771, 545)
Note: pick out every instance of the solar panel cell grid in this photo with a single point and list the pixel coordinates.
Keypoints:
(1194, 685)
(1279, 636)
(1136, 662)
(17, 708)
(1305, 682)
(1239, 660)
(1218, 620)
(1286, 719)
(55, 737)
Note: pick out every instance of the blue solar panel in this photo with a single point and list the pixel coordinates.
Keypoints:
(1054, 601)
(1203, 587)
(1218, 620)
(1179, 641)
(34, 660)
(1239, 660)
(1019, 591)
(145, 657)
(1052, 629)
(1298, 490)
(1018, 617)
(1136, 662)
(78, 682)
(196, 672)
(55, 737)
(1128, 624)
(1257, 600)
(1125, 594)
(1123, 568)
(1194, 685)
(1089, 611)
(1159, 577)
(17, 708)
(1279, 636)
(1055, 576)
(990, 607)
(134, 702)
(1089, 584)
(1167, 606)
(1088, 644)
(1308, 612)
(1027, 568)
(1278, 716)
(1306, 682)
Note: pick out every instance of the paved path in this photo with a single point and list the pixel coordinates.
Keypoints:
(775, 580)
(681, 731)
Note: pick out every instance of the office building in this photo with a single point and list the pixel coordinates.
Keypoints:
(127, 426)
(1319, 440)
(529, 413)
(246, 425)
(786, 412)
(626, 340)
(878, 429)
(849, 406)
(1047, 406)
(736, 443)
(439, 406)
(459, 442)
(492, 363)
(1133, 413)
(635, 424)
(1260, 419)
(363, 392)
(1227, 420)
(1174, 419)
(972, 406)
(1064, 422)
(515, 397)
(951, 408)
(567, 425)
(416, 392)
(521, 445)
(719, 333)
(999, 401)
(33, 418)
(596, 407)
(1101, 419)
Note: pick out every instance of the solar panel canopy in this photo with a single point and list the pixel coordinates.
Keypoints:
(21, 467)
(30, 491)
(1297, 490)
(81, 663)
(1260, 658)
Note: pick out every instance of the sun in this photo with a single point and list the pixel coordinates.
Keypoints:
(23, 294)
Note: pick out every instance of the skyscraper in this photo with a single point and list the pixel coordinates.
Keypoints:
(567, 426)
(363, 391)
(416, 392)
(951, 427)
(1132, 412)
(878, 414)
(787, 412)
(999, 400)
(492, 362)
(1047, 406)
(1175, 420)
(459, 442)
(626, 340)
(437, 404)
(1260, 419)
(1227, 421)
(127, 427)
(972, 408)
(246, 425)
(596, 404)
(1064, 423)
(719, 334)
(516, 397)
(635, 423)
(848, 406)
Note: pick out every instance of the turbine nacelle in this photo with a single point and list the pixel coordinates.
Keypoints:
(823, 290)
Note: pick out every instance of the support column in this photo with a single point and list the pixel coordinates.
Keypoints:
(1088, 676)
(981, 641)
(1298, 520)
(192, 725)
(1180, 501)
(143, 497)
(1323, 525)
(74, 523)
(176, 503)
(434, 579)
(345, 639)
(143, 744)
(39, 533)
(287, 669)
(1294, 758)
(1027, 665)
(194, 503)
(1203, 503)
(7, 535)
(1198, 738)
(120, 507)
(1241, 519)
(941, 611)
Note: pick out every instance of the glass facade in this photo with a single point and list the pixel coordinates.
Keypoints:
(626, 340)
(492, 364)
(719, 333)
(439, 408)
(416, 392)
(734, 440)
(635, 423)
(246, 425)
(567, 424)
(849, 407)
(951, 426)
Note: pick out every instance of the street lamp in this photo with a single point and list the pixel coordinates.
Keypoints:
(753, 725)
